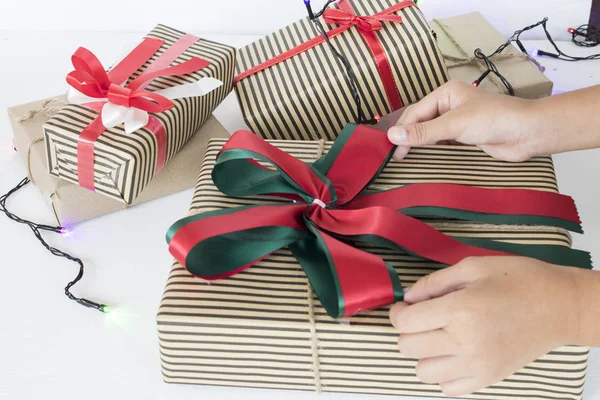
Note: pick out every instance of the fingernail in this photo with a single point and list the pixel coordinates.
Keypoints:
(397, 135)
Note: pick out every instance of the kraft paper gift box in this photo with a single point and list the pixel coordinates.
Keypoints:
(305, 95)
(121, 165)
(71, 203)
(459, 36)
(265, 328)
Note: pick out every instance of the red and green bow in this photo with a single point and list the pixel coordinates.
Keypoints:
(328, 208)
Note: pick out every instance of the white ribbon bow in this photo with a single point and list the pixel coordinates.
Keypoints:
(134, 118)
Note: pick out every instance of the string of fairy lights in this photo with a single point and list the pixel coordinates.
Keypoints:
(37, 230)
(583, 36)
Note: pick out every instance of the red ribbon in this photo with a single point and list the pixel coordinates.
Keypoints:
(91, 79)
(367, 26)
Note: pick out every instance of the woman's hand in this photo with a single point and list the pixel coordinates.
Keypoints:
(502, 126)
(480, 321)
(507, 128)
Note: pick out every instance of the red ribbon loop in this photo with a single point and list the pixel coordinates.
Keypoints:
(89, 76)
(91, 79)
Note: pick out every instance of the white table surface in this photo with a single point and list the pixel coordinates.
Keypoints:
(51, 348)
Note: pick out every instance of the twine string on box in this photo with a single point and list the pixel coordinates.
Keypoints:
(28, 158)
(49, 108)
(314, 342)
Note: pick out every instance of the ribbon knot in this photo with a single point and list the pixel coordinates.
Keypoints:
(346, 279)
(319, 203)
(119, 95)
(367, 23)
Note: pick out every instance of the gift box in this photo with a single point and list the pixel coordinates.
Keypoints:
(127, 124)
(459, 36)
(264, 327)
(71, 203)
(291, 86)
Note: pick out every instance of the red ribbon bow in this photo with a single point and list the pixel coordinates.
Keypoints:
(91, 79)
(331, 210)
(346, 17)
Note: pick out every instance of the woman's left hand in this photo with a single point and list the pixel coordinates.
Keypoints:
(478, 322)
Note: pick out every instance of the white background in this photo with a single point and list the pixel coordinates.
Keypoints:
(259, 16)
(51, 348)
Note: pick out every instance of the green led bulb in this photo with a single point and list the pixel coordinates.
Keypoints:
(106, 309)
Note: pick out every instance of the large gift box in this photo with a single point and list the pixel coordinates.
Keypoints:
(458, 42)
(264, 327)
(71, 203)
(290, 85)
(127, 124)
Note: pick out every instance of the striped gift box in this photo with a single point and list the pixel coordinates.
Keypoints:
(307, 96)
(126, 163)
(264, 327)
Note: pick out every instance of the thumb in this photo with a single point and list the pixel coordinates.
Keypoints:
(440, 283)
(423, 133)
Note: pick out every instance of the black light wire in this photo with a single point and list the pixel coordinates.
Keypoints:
(586, 35)
(350, 76)
(585, 30)
(491, 67)
(559, 54)
(37, 230)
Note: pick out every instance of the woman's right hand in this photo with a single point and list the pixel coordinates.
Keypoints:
(502, 126)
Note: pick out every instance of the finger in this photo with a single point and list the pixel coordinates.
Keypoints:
(440, 369)
(421, 317)
(446, 127)
(441, 282)
(428, 344)
(431, 106)
(395, 309)
(461, 387)
(401, 152)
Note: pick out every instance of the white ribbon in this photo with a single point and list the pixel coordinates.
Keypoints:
(134, 118)
(320, 203)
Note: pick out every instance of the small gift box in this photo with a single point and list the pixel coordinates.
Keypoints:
(459, 36)
(291, 86)
(270, 325)
(126, 124)
(71, 203)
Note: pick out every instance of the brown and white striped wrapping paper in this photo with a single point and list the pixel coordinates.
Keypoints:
(125, 164)
(264, 327)
(308, 98)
